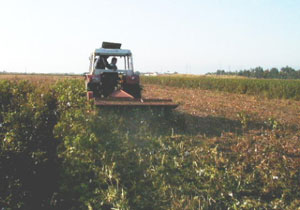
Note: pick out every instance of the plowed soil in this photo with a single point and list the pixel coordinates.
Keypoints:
(230, 107)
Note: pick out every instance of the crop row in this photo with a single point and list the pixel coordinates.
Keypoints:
(270, 88)
(58, 151)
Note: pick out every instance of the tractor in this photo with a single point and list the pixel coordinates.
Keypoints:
(111, 86)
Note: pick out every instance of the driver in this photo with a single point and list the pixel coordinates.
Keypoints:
(113, 64)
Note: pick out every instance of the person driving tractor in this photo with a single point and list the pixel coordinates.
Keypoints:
(102, 63)
(113, 64)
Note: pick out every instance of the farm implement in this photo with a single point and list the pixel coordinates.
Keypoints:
(113, 87)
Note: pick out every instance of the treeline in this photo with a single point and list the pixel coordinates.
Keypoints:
(258, 72)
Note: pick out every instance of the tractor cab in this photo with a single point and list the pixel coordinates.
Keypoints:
(100, 61)
(106, 76)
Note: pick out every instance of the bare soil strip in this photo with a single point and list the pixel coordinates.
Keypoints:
(205, 103)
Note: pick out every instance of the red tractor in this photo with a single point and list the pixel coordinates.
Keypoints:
(113, 86)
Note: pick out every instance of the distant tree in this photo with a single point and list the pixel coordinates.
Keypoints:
(266, 73)
(220, 72)
(274, 73)
(259, 72)
(298, 74)
(247, 73)
(287, 72)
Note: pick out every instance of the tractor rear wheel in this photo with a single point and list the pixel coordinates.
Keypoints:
(134, 90)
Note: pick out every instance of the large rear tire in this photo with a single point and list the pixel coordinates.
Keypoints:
(95, 88)
(109, 82)
(135, 90)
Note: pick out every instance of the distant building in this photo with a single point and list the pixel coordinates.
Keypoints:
(156, 73)
(150, 74)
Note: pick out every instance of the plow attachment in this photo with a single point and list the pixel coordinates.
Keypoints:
(126, 102)
(122, 99)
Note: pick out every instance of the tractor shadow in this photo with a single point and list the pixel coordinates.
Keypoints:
(210, 126)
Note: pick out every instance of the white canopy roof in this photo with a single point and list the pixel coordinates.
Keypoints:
(112, 52)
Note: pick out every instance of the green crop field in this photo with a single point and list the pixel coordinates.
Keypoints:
(270, 88)
(217, 150)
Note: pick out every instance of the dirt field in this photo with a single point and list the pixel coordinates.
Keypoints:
(211, 109)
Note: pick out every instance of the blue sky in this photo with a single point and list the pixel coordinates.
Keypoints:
(191, 36)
